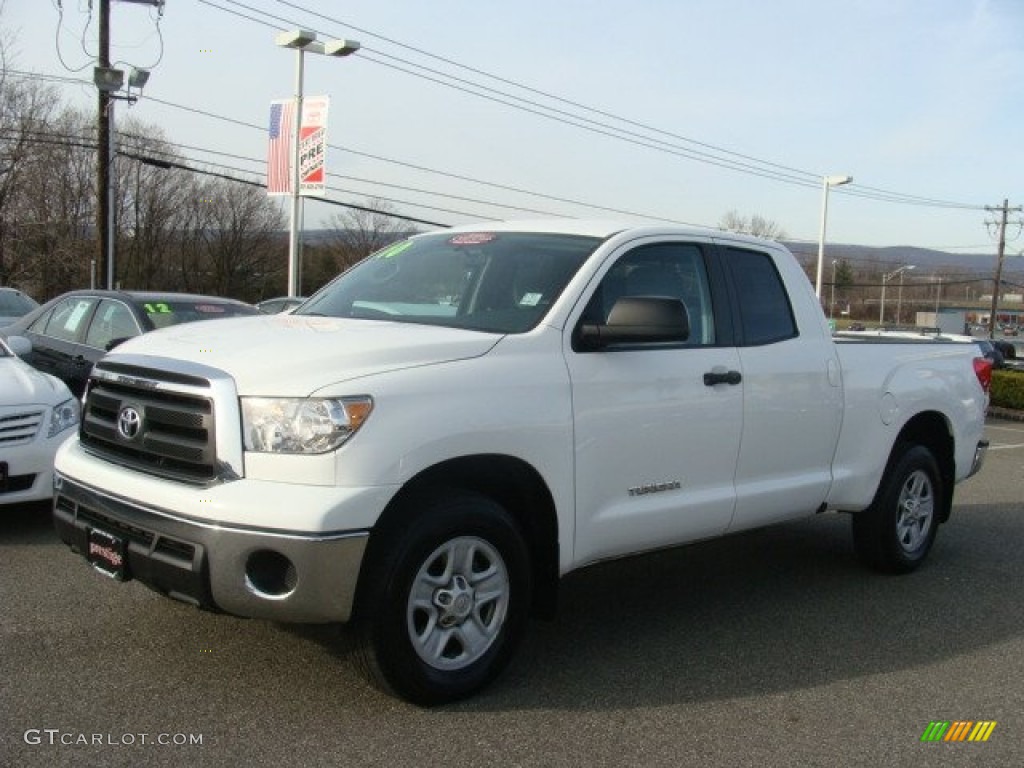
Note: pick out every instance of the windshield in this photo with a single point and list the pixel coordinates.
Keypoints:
(174, 311)
(502, 282)
(14, 304)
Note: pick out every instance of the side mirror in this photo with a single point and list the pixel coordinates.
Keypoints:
(20, 345)
(639, 320)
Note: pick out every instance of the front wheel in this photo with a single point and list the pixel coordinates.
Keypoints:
(896, 532)
(448, 599)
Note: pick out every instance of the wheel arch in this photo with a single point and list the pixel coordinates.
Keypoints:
(931, 430)
(506, 480)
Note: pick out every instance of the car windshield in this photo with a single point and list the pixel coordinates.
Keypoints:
(174, 311)
(13, 304)
(501, 282)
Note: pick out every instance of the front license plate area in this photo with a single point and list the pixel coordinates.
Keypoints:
(107, 554)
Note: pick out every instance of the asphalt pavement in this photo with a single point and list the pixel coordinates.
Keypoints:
(770, 648)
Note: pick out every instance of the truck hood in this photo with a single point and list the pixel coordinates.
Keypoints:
(290, 355)
(20, 384)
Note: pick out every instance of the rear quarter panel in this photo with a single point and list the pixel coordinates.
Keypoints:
(885, 385)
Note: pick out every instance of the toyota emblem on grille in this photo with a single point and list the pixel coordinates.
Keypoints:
(129, 421)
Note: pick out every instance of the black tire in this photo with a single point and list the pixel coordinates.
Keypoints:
(447, 601)
(896, 532)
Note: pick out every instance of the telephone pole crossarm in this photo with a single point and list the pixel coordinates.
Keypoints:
(1004, 211)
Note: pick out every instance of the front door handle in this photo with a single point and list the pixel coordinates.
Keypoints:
(722, 377)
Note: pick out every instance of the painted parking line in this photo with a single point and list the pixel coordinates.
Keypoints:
(1011, 433)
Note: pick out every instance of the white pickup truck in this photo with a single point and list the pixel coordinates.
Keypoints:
(436, 437)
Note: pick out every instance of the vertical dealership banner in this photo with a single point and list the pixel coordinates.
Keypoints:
(312, 146)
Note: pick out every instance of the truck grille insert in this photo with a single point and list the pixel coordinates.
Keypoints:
(164, 433)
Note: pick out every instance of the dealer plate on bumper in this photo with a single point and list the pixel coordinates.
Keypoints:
(107, 554)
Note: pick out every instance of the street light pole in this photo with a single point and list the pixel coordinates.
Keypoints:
(886, 278)
(826, 183)
(899, 302)
(303, 40)
(294, 257)
(832, 299)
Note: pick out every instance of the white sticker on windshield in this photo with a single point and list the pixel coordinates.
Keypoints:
(530, 299)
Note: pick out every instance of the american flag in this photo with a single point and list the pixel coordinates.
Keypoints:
(279, 150)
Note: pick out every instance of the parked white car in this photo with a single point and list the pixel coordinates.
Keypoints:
(37, 413)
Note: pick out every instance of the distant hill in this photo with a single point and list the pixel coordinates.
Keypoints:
(890, 257)
(863, 257)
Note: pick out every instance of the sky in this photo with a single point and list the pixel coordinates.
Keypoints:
(676, 110)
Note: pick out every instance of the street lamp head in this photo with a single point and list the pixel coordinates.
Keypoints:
(838, 181)
(138, 78)
(108, 79)
(897, 271)
(341, 47)
(295, 38)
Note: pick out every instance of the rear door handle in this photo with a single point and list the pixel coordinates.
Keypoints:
(722, 377)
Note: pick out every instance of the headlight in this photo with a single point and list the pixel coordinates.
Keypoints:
(62, 417)
(294, 425)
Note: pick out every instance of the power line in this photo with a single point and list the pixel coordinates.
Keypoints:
(463, 198)
(162, 162)
(770, 170)
(427, 169)
(552, 113)
(881, 195)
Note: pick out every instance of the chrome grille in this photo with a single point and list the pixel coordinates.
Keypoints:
(19, 428)
(176, 435)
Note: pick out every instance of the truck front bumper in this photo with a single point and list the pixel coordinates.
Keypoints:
(259, 573)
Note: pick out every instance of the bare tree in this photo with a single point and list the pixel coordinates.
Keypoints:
(230, 240)
(55, 206)
(26, 110)
(151, 198)
(360, 232)
(755, 225)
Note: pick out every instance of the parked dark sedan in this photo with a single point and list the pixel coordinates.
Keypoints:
(74, 330)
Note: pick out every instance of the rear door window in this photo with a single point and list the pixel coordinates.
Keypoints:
(69, 318)
(766, 316)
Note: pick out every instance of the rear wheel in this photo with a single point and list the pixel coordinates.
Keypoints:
(897, 531)
(448, 600)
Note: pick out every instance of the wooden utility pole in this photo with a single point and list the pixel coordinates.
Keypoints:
(103, 153)
(1004, 211)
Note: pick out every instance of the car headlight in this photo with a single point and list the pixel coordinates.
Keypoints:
(63, 416)
(301, 425)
